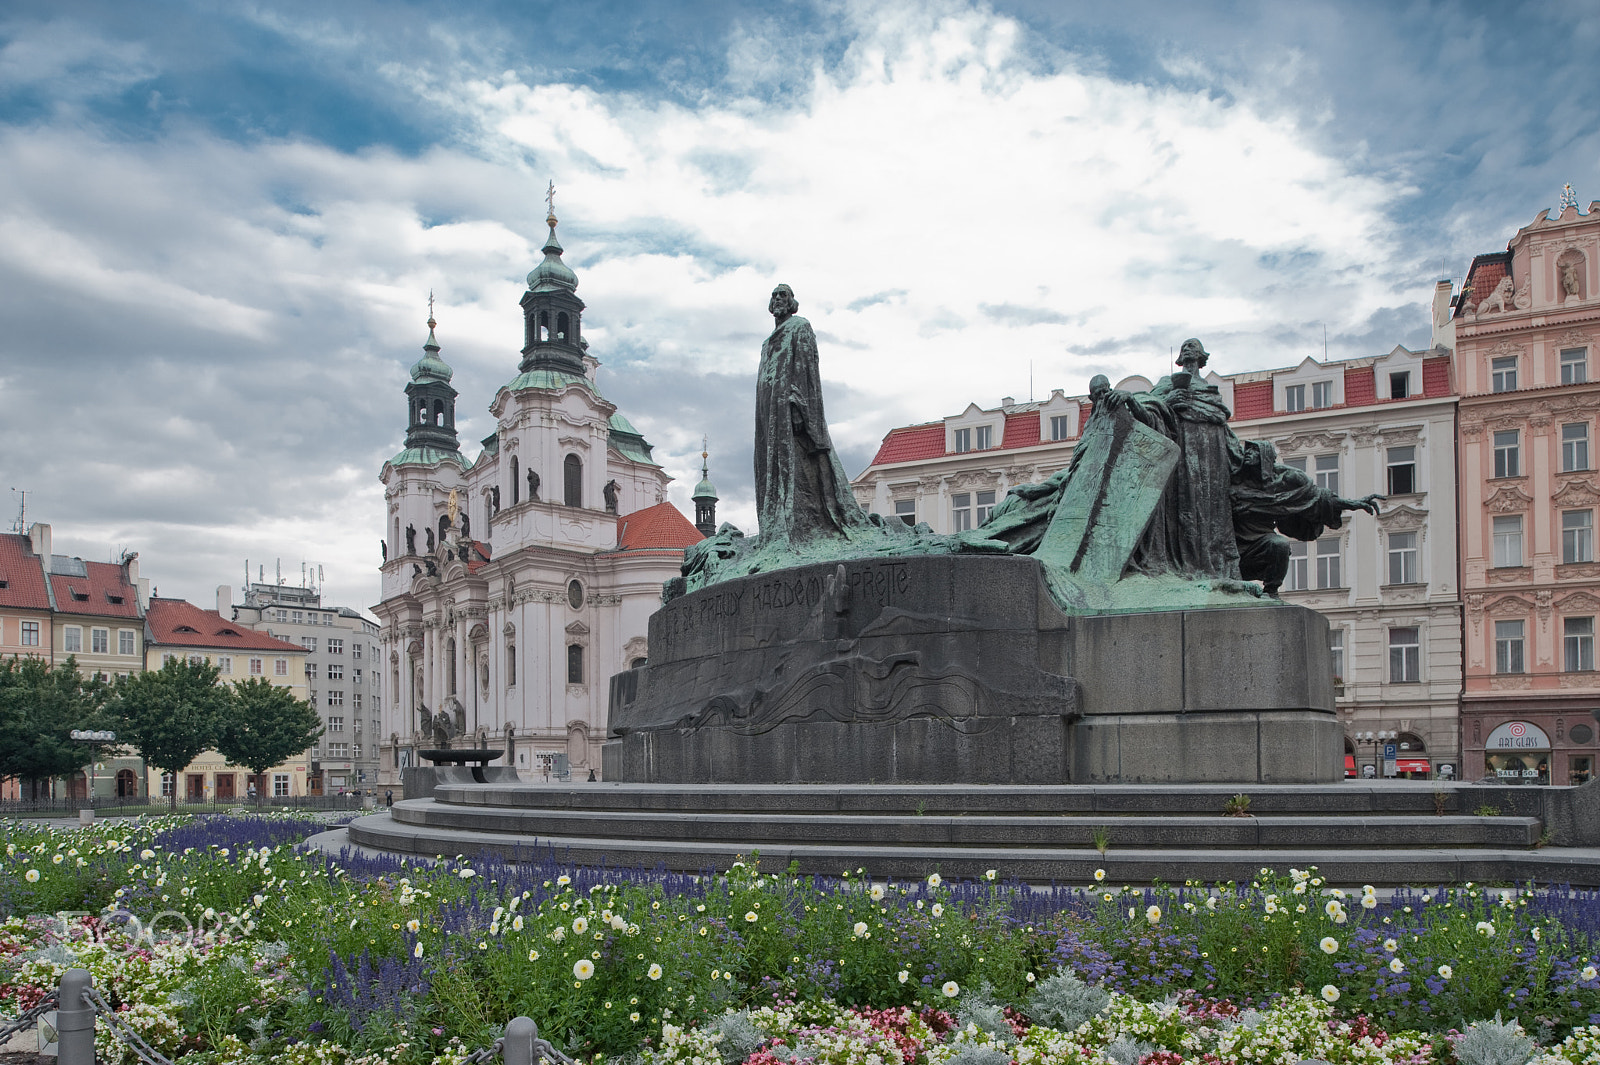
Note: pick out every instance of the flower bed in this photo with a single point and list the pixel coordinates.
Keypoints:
(225, 943)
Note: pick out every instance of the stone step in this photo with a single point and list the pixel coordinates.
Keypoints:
(1332, 800)
(1038, 865)
(1206, 832)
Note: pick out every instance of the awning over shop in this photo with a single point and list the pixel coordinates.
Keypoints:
(1411, 765)
(1349, 765)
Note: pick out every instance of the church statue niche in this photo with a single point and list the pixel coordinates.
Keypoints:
(611, 491)
(411, 539)
(444, 524)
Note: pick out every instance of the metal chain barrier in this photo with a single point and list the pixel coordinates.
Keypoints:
(489, 1053)
(120, 1028)
(520, 1045)
(28, 1018)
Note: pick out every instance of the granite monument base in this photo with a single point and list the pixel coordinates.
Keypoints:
(962, 669)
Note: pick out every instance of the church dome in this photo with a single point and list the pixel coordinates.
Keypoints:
(430, 367)
(705, 489)
(552, 275)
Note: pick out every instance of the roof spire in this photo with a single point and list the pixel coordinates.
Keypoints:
(432, 344)
(1568, 197)
(550, 205)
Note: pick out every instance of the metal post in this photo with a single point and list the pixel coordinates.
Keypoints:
(75, 1018)
(520, 1034)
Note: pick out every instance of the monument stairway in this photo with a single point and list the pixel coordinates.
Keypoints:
(1369, 832)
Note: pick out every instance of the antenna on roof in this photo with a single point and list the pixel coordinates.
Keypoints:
(1324, 341)
(22, 511)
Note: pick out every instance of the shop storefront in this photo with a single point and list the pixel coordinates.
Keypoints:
(1518, 752)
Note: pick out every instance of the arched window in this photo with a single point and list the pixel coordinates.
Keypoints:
(511, 663)
(422, 414)
(561, 326)
(444, 523)
(516, 484)
(544, 325)
(438, 412)
(575, 595)
(575, 663)
(572, 478)
(450, 670)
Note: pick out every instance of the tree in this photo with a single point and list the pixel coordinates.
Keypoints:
(171, 714)
(40, 705)
(264, 725)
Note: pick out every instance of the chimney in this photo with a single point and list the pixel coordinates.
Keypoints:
(130, 567)
(1444, 324)
(225, 600)
(39, 534)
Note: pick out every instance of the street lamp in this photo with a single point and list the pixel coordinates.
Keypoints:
(1375, 740)
(95, 738)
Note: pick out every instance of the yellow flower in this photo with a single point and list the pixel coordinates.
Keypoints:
(1153, 915)
(1329, 945)
(580, 925)
(533, 955)
(413, 925)
(31, 876)
(1099, 875)
(934, 879)
(750, 915)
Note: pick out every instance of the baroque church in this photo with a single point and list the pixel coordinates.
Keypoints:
(515, 584)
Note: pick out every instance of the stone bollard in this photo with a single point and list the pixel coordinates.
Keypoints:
(520, 1034)
(75, 1019)
(86, 817)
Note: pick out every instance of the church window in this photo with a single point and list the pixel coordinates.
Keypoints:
(572, 480)
(575, 663)
(450, 670)
(544, 325)
(575, 595)
(515, 485)
(511, 664)
(561, 326)
(438, 412)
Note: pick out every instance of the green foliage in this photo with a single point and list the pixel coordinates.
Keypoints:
(1494, 1042)
(263, 724)
(1064, 1001)
(172, 714)
(1238, 806)
(1102, 838)
(40, 705)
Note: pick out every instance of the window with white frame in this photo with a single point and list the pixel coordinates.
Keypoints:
(127, 643)
(1400, 384)
(336, 724)
(1060, 426)
(1405, 656)
(1577, 644)
(985, 437)
(1508, 540)
(1336, 652)
(1508, 647)
(1574, 366)
(1296, 579)
(280, 785)
(336, 698)
(255, 667)
(1574, 446)
(1294, 398)
(1327, 470)
(355, 675)
(311, 671)
(336, 671)
(1328, 563)
(100, 641)
(355, 700)
(72, 639)
(30, 634)
(197, 660)
(309, 643)
(283, 615)
(1297, 463)
(1321, 394)
(1402, 465)
(906, 510)
(335, 647)
(224, 663)
(298, 617)
(961, 440)
(1577, 536)
(1402, 558)
(1503, 374)
(355, 649)
(961, 512)
(338, 750)
(985, 506)
(1508, 453)
(168, 781)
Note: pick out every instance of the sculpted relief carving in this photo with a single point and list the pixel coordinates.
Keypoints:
(1508, 499)
(1578, 492)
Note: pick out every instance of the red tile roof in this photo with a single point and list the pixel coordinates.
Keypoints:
(98, 593)
(22, 573)
(1360, 387)
(179, 623)
(660, 526)
(1436, 376)
(478, 557)
(1022, 430)
(1252, 400)
(910, 443)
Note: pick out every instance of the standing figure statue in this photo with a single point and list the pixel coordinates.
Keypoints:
(533, 486)
(411, 539)
(611, 491)
(1274, 503)
(801, 488)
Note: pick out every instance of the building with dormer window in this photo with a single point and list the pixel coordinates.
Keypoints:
(516, 583)
(1527, 336)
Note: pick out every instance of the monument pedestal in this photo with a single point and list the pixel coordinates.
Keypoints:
(962, 669)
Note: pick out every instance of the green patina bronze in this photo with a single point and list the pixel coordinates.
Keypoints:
(1162, 507)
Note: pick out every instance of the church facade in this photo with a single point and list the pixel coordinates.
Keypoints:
(516, 583)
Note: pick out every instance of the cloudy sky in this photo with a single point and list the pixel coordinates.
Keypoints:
(220, 221)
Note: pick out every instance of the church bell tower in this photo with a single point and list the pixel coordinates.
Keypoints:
(431, 399)
(551, 310)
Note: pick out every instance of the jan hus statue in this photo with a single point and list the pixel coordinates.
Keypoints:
(801, 488)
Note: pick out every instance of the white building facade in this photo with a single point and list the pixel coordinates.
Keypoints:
(516, 584)
(1388, 586)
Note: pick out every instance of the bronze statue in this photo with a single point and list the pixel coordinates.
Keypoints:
(801, 488)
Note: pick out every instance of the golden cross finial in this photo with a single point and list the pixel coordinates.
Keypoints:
(550, 203)
(431, 322)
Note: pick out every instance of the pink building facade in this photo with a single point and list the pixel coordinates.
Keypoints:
(1526, 326)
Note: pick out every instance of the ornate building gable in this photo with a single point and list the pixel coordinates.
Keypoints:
(1576, 492)
(1579, 602)
(1508, 499)
(1316, 441)
(1403, 518)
